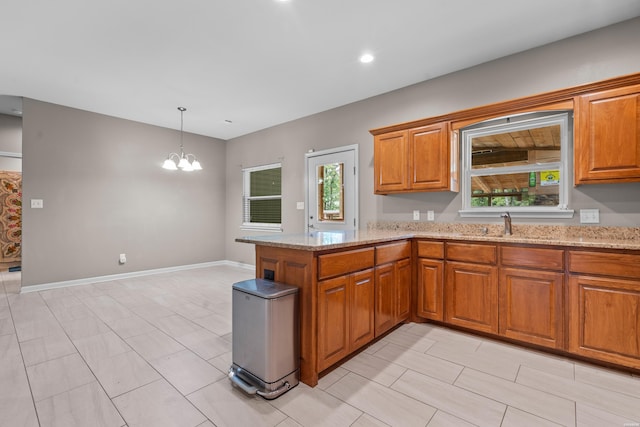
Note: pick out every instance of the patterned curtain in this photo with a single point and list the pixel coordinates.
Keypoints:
(10, 216)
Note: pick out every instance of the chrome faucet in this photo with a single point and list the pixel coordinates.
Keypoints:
(507, 223)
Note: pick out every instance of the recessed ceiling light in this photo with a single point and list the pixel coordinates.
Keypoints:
(227, 122)
(366, 58)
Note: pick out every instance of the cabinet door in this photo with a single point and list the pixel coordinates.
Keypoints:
(530, 304)
(604, 319)
(403, 290)
(429, 157)
(390, 162)
(471, 295)
(430, 277)
(333, 321)
(385, 312)
(607, 141)
(362, 328)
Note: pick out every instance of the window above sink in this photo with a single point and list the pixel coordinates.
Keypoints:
(517, 164)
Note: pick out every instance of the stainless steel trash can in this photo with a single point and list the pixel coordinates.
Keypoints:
(265, 346)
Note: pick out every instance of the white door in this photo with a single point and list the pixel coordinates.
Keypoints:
(332, 189)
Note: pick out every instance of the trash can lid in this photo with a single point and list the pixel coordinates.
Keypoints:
(265, 288)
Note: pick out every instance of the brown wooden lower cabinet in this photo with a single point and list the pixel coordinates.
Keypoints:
(604, 319)
(471, 296)
(430, 302)
(530, 306)
(345, 316)
(393, 299)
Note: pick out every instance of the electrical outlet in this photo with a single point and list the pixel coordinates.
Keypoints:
(123, 258)
(416, 215)
(37, 204)
(589, 216)
(431, 216)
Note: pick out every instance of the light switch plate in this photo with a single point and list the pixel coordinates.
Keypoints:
(589, 216)
(431, 216)
(416, 215)
(300, 206)
(37, 204)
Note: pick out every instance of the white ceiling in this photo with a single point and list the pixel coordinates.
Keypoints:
(259, 63)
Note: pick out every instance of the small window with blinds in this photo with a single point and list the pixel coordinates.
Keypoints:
(262, 198)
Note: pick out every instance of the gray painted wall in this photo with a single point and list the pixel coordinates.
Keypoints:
(598, 55)
(11, 142)
(105, 193)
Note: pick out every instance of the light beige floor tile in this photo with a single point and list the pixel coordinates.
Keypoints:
(47, 348)
(85, 327)
(381, 402)
(58, 375)
(205, 344)
(151, 311)
(9, 350)
(216, 323)
(312, 407)
(186, 371)
(175, 326)
(442, 419)
(374, 368)
(549, 363)
(190, 310)
(499, 366)
(123, 372)
(367, 420)
(222, 362)
(40, 323)
(159, 405)
(420, 362)
(154, 344)
(130, 326)
(588, 416)
(72, 313)
(410, 341)
(107, 308)
(100, 346)
(333, 376)
(225, 405)
(617, 403)
(87, 405)
(461, 403)
(16, 404)
(290, 422)
(444, 335)
(373, 348)
(6, 321)
(547, 406)
(517, 418)
(607, 378)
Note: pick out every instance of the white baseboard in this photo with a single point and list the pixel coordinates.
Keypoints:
(98, 279)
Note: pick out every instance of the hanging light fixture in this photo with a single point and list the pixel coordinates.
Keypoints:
(183, 159)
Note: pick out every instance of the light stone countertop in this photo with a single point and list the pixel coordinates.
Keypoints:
(627, 238)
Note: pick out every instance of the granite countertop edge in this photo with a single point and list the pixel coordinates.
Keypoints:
(320, 241)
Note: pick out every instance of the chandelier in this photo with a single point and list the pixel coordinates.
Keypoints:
(183, 159)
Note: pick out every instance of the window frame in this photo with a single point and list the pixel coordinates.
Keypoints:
(563, 118)
(246, 198)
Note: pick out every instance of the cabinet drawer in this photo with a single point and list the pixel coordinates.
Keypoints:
(339, 263)
(538, 258)
(392, 252)
(481, 254)
(605, 263)
(427, 249)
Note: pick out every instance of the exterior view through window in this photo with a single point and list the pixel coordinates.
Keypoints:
(330, 187)
(516, 164)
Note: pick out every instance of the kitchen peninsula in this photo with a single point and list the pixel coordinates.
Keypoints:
(573, 290)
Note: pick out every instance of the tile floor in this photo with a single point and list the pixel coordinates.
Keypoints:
(154, 351)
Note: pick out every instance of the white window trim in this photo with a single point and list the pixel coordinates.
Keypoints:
(246, 183)
(559, 211)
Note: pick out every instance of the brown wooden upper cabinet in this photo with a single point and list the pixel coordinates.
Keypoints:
(416, 159)
(607, 138)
